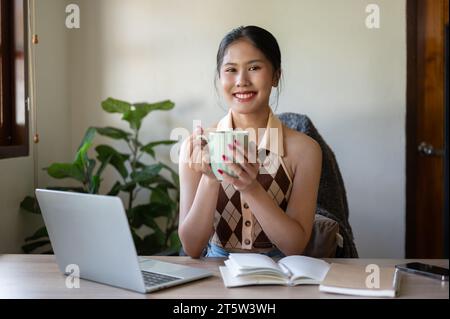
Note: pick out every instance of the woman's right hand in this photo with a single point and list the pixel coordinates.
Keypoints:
(199, 159)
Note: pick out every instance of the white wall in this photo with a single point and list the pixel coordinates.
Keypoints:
(350, 80)
(16, 175)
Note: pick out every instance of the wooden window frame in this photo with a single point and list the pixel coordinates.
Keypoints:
(14, 137)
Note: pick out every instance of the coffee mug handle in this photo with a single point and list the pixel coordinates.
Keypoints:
(201, 137)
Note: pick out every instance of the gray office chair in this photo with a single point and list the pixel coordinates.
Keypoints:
(332, 233)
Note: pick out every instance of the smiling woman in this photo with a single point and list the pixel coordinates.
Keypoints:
(13, 88)
(264, 67)
(252, 211)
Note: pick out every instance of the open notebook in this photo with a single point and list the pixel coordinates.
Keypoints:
(244, 269)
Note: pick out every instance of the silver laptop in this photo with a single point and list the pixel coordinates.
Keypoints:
(92, 232)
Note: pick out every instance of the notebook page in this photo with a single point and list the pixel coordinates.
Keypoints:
(253, 261)
(303, 266)
(236, 271)
(236, 281)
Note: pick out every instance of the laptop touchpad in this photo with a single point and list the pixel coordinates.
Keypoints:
(163, 267)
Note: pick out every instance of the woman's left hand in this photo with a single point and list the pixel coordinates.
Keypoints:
(246, 170)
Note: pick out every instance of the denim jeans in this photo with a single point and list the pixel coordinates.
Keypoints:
(216, 251)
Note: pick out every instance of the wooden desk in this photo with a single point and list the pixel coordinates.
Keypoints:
(37, 276)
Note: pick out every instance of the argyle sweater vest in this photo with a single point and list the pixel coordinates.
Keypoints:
(234, 223)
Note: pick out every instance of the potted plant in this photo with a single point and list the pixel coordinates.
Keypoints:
(160, 210)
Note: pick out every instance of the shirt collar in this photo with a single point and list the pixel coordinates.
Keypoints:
(272, 139)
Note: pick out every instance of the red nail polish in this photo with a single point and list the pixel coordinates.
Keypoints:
(220, 171)
(224, 157)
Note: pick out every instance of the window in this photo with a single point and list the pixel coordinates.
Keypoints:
(14, 139)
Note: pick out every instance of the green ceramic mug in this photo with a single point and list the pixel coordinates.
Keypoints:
(218, 146)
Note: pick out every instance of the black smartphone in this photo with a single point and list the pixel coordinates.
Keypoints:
(425, 270)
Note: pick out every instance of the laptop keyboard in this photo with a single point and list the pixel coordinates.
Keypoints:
(153, 279)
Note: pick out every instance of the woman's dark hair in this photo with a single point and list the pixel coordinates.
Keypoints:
(260, 38)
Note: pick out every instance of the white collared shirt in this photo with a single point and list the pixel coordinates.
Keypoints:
(236, 228)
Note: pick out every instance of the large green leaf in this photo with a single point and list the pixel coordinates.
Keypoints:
(168, 200)
(159, 209)
(31, 205)
(160, 195)
(160, 237)
(138, 111)
(114, 133)
(91, 163)
(149, 147)
(116, 159)
(81, 158)
(137, 216)
(94, 180)
(66, 170)
(103, 164)
(111, 105)
(158, 106)
(176, 179)
(159, 181)
(137, 240)
(145, 214)
(28, 248)
(139, 164)
(174, 175)
(174, 240)
(147, 174)
(115, 189)
(134, 118)
(129, 186)
(94, 184)
(151, 244)
(157, 232)
(88, 137)
(162, 181)
(41, 232)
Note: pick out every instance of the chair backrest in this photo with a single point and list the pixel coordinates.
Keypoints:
(332, 198)
(324, 240)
